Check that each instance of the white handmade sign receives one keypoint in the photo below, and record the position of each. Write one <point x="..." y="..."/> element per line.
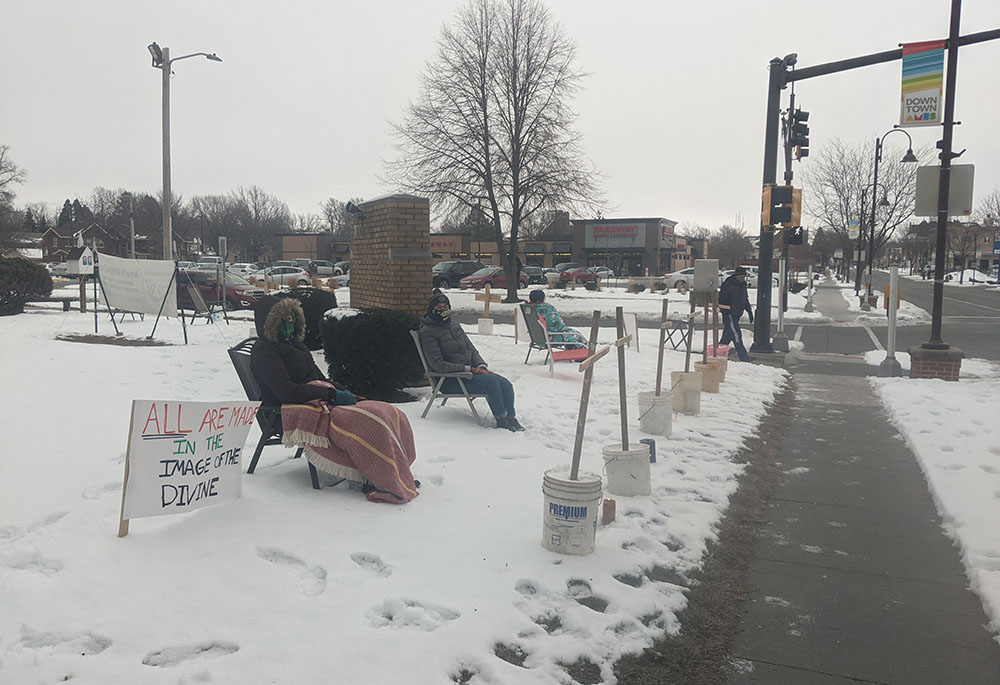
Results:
<point x="139" y="285"/>
<point x="183" y="456"/>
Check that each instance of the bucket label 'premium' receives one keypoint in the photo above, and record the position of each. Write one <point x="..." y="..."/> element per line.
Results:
<point x="565" y="512"/>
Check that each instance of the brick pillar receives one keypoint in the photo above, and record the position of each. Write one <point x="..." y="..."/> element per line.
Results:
<point x="390" y="254"/>
<point x="943" y="364"/>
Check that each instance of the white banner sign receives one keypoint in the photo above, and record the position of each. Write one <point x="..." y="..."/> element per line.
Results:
<point x="139" y="285"/>
<point x="184" y="455"/>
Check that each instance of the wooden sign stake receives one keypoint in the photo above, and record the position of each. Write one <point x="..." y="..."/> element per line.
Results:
<point x="690" y="338"/>
<point x="663" y="339"/>
<point x="587" y="368"/>
<point x="704" y="335"/>
<point x="122" y="521"/>
<point x="715" y="323"/>
<point x="622" y="399"/>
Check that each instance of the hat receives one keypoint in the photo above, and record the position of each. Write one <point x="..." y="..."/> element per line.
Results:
<point x="739" y="271"/>
<point x="436" y="299"/>
<point x="536" y="296"/>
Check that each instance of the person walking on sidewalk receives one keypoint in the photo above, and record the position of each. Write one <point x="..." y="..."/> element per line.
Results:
<point x="733" y="294"/>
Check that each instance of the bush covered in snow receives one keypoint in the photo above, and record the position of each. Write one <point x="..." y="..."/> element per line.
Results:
<point x="372" y="353"/>
<point x="21" y="281"/>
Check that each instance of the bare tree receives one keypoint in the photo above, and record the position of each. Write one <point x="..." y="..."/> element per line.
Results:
<point x="988" y="211"/>
<point x="308" y="223"/>
<point x="963" y="239"/>
<point x="492" y="127"/>
<point x="258" y="218"/>
<point x="10" y="175"/>
<point x="840" y="192"/>
<point x="335" y="216"/>
<point x="730" y="246"/>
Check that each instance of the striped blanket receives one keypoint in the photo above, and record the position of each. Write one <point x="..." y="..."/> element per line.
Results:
<point x="370" y="438"/>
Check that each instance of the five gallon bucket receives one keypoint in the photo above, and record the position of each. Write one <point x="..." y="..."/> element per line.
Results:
<point x="685" y="389"/>
<point x="723" y="365"/>
<point x="627" y="470"/>
<point x="709" y="376"/>
<point x="656" y="412"/>
<point x="569" y="523"/>
<point x="718" y="351"/>
<point x="485" y="326"/>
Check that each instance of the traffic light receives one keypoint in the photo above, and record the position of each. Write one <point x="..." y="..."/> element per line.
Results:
<point x="799" y="134"/>
<point x="776" y="205"/>
<point x="795" y="235"/>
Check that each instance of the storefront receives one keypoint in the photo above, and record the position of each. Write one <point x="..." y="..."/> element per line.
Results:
<point x="632" y="247"/>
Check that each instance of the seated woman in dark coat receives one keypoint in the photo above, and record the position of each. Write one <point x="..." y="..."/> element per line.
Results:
<point x="340" y="433"/>
<point x="449" y="350"/>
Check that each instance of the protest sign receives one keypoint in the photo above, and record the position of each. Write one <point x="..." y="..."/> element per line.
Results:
<point x="139" y="285"/>
<point x="183" y="456"/>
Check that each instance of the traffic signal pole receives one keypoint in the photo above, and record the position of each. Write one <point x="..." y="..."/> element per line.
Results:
<point x="778" y="78"/>
<point x="762" y="319"/>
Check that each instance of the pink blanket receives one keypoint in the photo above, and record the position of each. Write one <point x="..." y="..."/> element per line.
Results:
<point x="373" y="437"/>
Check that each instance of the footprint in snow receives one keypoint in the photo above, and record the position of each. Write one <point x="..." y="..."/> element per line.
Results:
<point x="312" y="578"/>
<point x="99" y="491"/>
<point x="178" y="654"/>
<point x="57" y="642"/>
<point x="409" y="613"/>
<point x="372" y="563"/>
<point x="30" y="560"/>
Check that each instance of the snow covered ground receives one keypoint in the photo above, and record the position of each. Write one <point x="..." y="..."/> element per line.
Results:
<point x="292" y="585"/>
<point x="951" y="428"/>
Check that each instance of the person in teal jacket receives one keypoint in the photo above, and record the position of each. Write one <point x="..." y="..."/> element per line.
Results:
<point x="559" y="332"/>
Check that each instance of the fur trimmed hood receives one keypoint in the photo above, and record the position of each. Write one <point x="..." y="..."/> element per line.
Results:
<point x="271" y="311"/>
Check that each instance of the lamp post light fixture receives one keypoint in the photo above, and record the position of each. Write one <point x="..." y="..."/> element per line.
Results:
<point x="163" y="61"/>
<point x="909" y="157"/>
<point x="131" y="221"/>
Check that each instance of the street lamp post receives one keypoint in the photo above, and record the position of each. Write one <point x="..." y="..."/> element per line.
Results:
<point x="907" y="158"/>
<point x="131" y="222"/>
<point x="163" y="62"/>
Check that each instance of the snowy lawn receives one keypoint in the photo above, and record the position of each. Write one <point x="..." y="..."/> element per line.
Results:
<point x="907" y="315"/>
<point x="292" y="585"/>
<point x="951" y="428"/>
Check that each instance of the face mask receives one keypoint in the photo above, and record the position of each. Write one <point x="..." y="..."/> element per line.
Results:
<point x="286" y="329"/>
<point x="442" y="312"/>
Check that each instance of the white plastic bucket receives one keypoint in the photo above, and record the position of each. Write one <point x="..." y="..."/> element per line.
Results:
<point x="709" y="376"/>
<point x="656" y="413"/>
<point x="485" y="326"/>
<point x="569" y="522"/>
<point x="628" y="470"/>
<point x="685" y="389"/>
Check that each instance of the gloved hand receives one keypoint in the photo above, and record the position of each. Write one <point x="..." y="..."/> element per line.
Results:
<point x="342" y="397"/>
<point x="750" y="314"/>
<point x="481" y="369"/>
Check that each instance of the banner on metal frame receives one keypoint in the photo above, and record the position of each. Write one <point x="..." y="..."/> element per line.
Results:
<point x="922" y="83"/>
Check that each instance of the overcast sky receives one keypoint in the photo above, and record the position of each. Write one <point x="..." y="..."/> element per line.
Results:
<point x="672" y="112"/>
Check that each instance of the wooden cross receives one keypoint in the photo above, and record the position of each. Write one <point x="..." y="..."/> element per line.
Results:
<point x="486" y="298"/>
<point x="622" y="399"/>
<point x="663" y="335"/>
<point x="587" y="368"/>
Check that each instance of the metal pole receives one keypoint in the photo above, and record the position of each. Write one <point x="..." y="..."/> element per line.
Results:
<point x="809" y="296"/>
<point x="131" y="222"/>
<point x="861" y="235"/>
<point x="780" y="339"/>
<point x="871" y="241"/>
<point x="762" y="324"/>
<point x="168" y="241"/>
<point x="944" y="186"/>
<point x="890" y="365"/>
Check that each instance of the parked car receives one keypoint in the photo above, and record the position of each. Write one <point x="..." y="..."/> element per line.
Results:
<point x="59" y="270"/>
<point x="303" y="264"/>
<point x="492" y="276"/>
<point x="562" y="266"/>
<point x="282" y="262"/>
<point x="285" y="275"/>
<point x="239" y="268"/>
<point x="322" y="267"/>
<point x="579" y="275"/>
<point x="240" y="294"/>
<point x="450" y="273"/>
<point x="604" y="272"/>
<point x="680" y="279"/>
<point x="185" y="265"/>
<point x="208" y="261"/>
<point x="341" y="268"/>
<point x="536" y="275"/>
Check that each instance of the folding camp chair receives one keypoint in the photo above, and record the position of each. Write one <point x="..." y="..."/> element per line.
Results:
<point x="268" y="418"/>
<point x="678" y="328"/>
<point x="572" y="354"/>
<point x="203" y="308"/>
<point x="539" y="339"/>
<point x="436" y="379"/>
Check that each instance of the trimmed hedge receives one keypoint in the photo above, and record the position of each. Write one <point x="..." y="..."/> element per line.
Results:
<point x="21" y="281"/>
<point x="315" y="303"/>
<point x="372" y="352"/>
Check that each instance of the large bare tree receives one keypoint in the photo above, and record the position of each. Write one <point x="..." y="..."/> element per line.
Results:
<point x="988" y="209"/>
<point x="10" y="175"/>
<point x="492" y="128"/>
<point x="839" y="190"/>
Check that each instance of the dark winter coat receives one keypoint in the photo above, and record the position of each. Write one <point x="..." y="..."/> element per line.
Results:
<point x="734" y="293"/>
<point x="284" y="368"/>
<point x="447" y="347"/>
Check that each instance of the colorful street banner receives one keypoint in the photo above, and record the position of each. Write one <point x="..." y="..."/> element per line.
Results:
<point x="853" y="230"/>
<point x="923" y="79"/>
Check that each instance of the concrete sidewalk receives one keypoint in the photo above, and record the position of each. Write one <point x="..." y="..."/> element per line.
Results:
<point x="854" y="579"/>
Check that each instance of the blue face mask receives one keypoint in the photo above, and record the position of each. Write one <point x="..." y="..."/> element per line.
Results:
<point x="286" y="329"/>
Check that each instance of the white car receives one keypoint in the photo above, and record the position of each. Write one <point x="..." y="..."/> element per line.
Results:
<point x="684" y="279"/>
<point x="604" y="272"/>
<point x="240" y="269"/>
<point x="285" y="275"/>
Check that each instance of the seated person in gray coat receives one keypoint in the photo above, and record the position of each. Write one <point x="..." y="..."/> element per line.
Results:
<point x="449" y="350"/>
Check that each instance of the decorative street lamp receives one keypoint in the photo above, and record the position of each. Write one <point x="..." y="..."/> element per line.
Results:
<point x="131" y="222"/>
<point x="163" y="62"/>
<point x="907" y="158"/>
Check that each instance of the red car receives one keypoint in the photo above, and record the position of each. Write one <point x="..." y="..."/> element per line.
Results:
<point x="240" y="294"/>
<point x="492" y="275"/>
<point x="579" y="274"/>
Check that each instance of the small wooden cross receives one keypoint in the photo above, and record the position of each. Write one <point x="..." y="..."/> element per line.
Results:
<point x="486" y="298"/>
<point x="587" y="367"/>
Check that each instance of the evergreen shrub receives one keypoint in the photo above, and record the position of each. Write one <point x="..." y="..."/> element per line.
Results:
<point x="21" y="281"/>
<point x="372" y="352"/>
<point x="315" y="303"/>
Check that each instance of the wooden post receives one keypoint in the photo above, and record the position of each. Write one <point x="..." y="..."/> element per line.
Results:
<point x="663" y="340"/>
<point x="588" y="374"/>
<point x="704" y="336"/>
<point x="715" y="323"/>
<point x="83" y="294"/>
<point x="486" y="298"/>
<point x="622" y="399"/>
<point x="690" y="339"/>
